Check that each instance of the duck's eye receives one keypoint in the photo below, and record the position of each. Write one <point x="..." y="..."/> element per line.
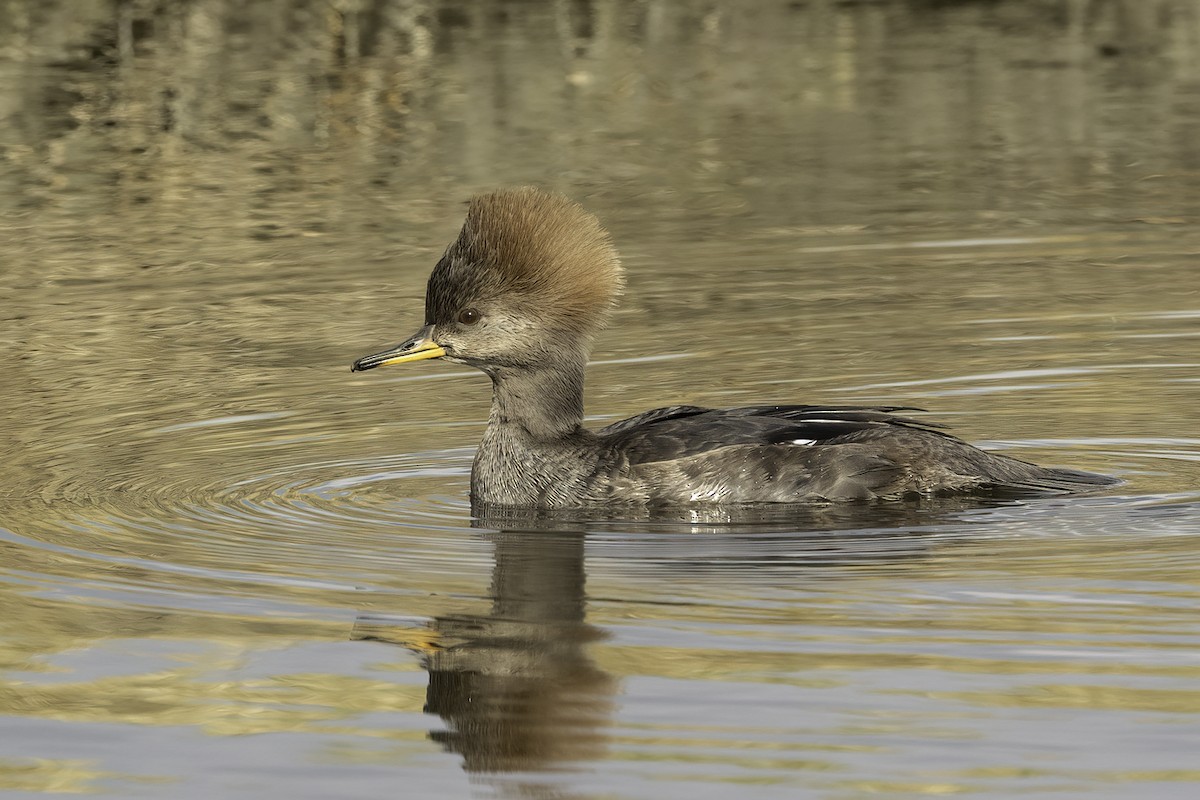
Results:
<point x="469" y="316"/>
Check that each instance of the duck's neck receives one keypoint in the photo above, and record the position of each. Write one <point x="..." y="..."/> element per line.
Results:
<point x="535" y="451"/>
<point x="541" y="405"/>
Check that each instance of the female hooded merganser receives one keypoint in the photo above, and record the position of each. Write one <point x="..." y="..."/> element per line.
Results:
<point x="520" y="294"/>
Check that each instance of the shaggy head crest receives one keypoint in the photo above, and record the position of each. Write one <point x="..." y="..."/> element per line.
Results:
<point x="537" y="252"/>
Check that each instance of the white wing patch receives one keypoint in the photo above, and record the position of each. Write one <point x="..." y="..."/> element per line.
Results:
<point x="711" y="494"/>
<point x="803" y="441"/>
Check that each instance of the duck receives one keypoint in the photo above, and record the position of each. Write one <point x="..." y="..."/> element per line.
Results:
<point x="520" y="294"/>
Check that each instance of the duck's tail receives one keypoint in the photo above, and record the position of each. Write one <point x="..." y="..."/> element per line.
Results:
<point x="1061" y="479"/>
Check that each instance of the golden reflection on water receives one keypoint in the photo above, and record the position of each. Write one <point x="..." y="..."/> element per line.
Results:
<point x="208" y="526"/>
<point x="60" y="776"/>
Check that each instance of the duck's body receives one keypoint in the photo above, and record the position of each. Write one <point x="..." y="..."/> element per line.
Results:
<point x="757" y="454"/>
<point x="519" y="295"/>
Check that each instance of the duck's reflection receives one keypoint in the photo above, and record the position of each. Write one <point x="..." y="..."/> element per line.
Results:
<point x="515" y="686"/>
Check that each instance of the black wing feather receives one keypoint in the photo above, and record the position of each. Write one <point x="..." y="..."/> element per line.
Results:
<point x="679" y="431"/>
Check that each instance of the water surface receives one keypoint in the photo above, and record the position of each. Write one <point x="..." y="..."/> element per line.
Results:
<point x="232" y="568"/>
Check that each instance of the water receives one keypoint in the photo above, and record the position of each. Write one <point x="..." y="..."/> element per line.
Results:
<point x="231" y="568"/>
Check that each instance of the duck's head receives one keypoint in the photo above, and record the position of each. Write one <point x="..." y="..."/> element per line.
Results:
<point x="527" y="283"/>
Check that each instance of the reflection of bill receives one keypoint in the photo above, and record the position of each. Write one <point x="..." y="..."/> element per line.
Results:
<point x="515" y="687"/>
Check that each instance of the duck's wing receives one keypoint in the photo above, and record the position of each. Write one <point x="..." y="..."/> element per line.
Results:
<point x="786" y="453"/>
<point x="859" y="466"/>
<point x="654" y="415"/>
<point x="675" y="432"/>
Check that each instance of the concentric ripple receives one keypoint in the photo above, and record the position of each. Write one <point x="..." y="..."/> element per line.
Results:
<point x="334" y="528"/>
<point x="233" y="512"/>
